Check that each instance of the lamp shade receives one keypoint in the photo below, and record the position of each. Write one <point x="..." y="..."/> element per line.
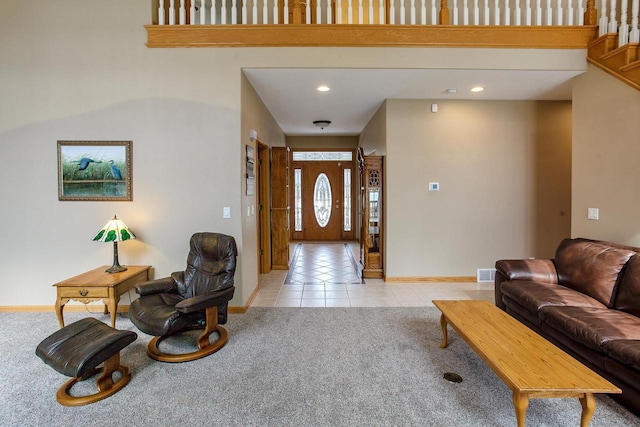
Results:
<point x="114" y="231"/>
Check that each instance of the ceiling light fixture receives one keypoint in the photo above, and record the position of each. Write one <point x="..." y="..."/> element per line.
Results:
<point x="322" y="123"/>
<point x="477" y="89"/>
<point x="323" y="88"/>
<point x="451" y="90"/>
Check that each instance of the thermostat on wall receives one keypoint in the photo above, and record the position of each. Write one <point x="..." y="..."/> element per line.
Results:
<point x="434" y="186"/>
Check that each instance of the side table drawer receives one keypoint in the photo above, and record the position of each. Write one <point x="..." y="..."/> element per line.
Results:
<point x="80" y="292"/>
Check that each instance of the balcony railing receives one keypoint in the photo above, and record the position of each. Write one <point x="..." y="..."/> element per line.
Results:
<point x="463" y="23"/>
<point x="390" y="12"/>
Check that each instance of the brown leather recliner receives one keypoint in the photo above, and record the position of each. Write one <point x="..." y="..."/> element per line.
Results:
<point x="192" y="299"/>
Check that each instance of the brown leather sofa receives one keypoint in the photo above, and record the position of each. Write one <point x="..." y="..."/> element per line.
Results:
<point x="586" y="301"/>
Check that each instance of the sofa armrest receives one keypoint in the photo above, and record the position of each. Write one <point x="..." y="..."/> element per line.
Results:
<point x="530" y="270"/>
<point x="164" y="285"/>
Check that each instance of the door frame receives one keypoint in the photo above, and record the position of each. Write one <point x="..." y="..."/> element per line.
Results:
<point x="263" y="177"/>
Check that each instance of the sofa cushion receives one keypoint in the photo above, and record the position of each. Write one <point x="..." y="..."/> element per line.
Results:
<point x="627" y="297"/>
<point x="626" y="352"/>
<point x="591" y="267"/>
<point x="535" y="295"/>
<point x="591" y="326"/>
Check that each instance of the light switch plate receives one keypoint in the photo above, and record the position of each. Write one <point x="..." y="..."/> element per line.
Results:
<point x="226" y="212"/>
<point x="593" y="213"/>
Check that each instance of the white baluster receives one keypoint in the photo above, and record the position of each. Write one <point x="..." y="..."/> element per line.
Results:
<point x="203" y="13"/>
<point x="161" y="13"/>
<point x="548" y="14"/>
<point x="223" y="12"/>
<point x="559" y="16"/>
<point x="234" y="12"/>
<point x="183" y="13"/>
<point x="254" y="12"/>
<point x="465" y="12"/>
<point x="402" y="12"/>
<point x="392" y="12"/>
<point x="507" y="12"/>
<point x="413" y="12"/>
<point x="285" y="11"/>
<point x="172" y="13"/>
<point x="434" y="14"/>
<point x="517" y="13"/>
<point x="570" y="12"/>
<point x="487" y="15"/>
<point x="634" y="34"/>
<point x="308" y="12"/>
<point x="538" y="13"/>
<point x="370" y="11"/>
<point x="381" y="5"/>
<point x="613" y="23"/>
<point x="604" y="19"/>
<point x="265" y="11"/>
<point x="192" y="13"/>
<point x="455" y="12"/>
<point x="527" y="13"/>
<point x="349" y="12"/>
<point x="623" y="32"/>
<point x="580" y="13"/>
<point x="476" y="13"/>
<point x="423" y="12"/>
<point x="275" y="12"/>
<point x="328" y="11"/>
<point x="214" y="12"/>
<point x="244" y="12"/>
<point x="496" y="13"/>
<point x="318" y="11"/>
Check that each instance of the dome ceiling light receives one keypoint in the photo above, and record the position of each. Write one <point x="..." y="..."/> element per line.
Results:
<point x="322" y="123"/>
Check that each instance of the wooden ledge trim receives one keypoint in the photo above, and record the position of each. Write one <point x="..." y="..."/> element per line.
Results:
<point x="324" y="35"/>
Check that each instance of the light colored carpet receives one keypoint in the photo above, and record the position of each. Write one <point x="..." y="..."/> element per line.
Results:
<point x="286" y="367"/>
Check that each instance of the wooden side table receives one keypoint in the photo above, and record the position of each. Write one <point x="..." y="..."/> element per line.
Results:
<point x="97" y="285"/>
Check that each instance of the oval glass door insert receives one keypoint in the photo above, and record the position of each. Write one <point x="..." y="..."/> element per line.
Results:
<point x="322" y="200"/>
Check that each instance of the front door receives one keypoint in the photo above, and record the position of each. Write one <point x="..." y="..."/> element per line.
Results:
<point x="322" y="199"/>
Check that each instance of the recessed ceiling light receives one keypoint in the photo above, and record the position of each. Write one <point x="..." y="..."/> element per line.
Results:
<point x="477" y="89"/>
<point x="451" y="90"/>
<point x="323" y="88"/>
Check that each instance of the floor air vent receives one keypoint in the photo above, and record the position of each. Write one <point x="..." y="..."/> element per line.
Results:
<point x="486" y="274"/>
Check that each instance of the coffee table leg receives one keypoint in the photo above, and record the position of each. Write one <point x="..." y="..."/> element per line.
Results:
<point x="588" y="403"/>
<point x="443" y="325"/>
<point x="520" y="403"/>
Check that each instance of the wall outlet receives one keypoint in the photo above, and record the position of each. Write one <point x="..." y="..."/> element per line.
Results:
<point x="434" y="186"/>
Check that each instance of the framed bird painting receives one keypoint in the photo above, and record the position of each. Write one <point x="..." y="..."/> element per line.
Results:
<point x="94" y="170"/>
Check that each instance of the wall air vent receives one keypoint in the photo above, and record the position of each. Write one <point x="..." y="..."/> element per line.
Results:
<point x="486" y="274"/>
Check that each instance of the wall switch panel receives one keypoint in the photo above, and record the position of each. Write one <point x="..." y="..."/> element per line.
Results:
<point x="593" y="213"/>
<point x="226" y="212"/>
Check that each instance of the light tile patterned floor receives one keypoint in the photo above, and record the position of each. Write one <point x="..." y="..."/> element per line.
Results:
<point x="314" y="281"/>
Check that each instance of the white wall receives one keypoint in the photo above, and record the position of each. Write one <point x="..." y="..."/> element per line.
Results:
<point x="483" y="155"/>
<point x="606" y="171"/>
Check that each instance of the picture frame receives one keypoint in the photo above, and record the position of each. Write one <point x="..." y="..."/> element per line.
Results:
<point x="250" y="165"/>
<point x="94" y="171"/>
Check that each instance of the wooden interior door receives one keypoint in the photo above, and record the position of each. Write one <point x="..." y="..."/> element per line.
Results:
<point x="316" y="192"/>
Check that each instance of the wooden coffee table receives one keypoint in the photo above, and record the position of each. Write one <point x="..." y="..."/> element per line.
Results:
<point x="528" y="364"/>
<point x="97" y="285"/>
